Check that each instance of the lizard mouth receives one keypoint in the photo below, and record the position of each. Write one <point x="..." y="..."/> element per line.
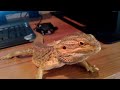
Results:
<point x="72" y="58"/>
<point x="66" y="60"/>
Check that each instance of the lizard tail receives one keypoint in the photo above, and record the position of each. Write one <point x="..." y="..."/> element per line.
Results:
<point x="25" y="52"/>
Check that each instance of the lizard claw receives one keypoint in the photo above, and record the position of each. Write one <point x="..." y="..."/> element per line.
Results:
<point x="93" y="68"/>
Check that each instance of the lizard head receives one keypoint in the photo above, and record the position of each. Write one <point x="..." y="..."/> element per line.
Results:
<point x="77" y="47"/>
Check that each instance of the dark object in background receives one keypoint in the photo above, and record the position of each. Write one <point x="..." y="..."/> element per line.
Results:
<point x="45" y="28"/>
<point x="33" y="14"/>
<point x="104" y="25"/>
<point x="3" y="19"/>
<point x="16" y="33"/>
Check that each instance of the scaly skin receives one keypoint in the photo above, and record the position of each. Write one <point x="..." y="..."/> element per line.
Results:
<point x="72" y="49"/>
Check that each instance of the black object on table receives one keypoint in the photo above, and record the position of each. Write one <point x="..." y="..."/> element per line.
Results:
<point x="45" y="28"/>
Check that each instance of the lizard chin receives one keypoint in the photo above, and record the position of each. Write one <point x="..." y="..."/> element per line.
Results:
<point x="73" y="58"/>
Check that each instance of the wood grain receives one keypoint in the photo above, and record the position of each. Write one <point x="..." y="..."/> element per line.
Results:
<point x="108" y="60"/>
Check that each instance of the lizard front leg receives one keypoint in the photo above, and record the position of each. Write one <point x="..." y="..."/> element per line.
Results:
<point x="88" y="66"/>
<point x="39" y="74"/>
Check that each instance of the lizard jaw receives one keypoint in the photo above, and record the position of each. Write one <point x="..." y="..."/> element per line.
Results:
<point x="72" y="58"/>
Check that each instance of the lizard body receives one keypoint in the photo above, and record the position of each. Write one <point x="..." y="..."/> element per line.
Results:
<point x="72" y="49"/>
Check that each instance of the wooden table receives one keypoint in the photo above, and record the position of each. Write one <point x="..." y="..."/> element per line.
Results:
<point x="108" y="60"/>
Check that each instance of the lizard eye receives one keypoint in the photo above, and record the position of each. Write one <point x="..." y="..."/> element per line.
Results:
<point x="81" y="43"/>
<point x="64" y="47"/>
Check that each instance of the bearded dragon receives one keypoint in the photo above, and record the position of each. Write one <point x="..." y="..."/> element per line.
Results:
<point x="72" y="49"/>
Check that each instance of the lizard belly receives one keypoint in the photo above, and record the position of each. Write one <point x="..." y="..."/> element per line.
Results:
<point x="54" y="63"/>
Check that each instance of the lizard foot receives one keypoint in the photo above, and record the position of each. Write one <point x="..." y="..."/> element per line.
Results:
<point x="88" y="67"/>
<point x="39" y="74"/>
